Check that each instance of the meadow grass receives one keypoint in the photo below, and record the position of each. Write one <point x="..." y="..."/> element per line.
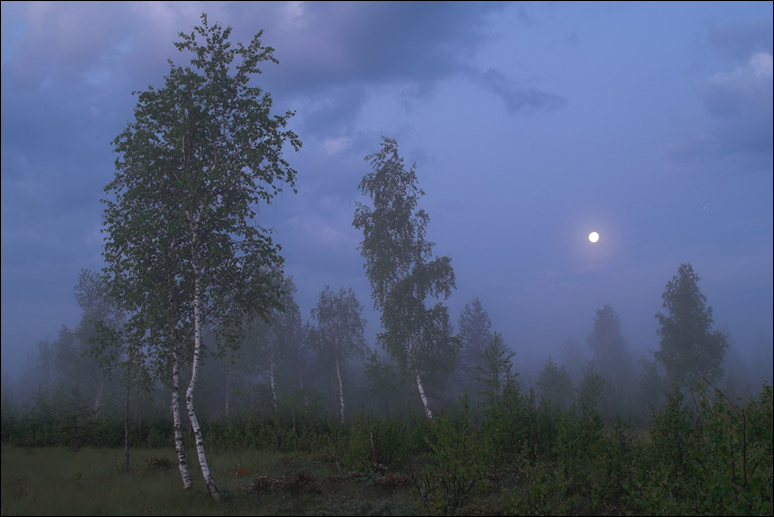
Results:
<point x="59" y="481"/>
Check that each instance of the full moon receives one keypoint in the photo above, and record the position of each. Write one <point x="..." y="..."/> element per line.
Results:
<point x="593" y="236"/>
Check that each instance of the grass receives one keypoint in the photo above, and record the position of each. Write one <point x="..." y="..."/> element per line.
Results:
<point x="58" y="481"/>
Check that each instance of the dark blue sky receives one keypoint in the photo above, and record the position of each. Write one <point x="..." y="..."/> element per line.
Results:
<point x="531" y="125"/>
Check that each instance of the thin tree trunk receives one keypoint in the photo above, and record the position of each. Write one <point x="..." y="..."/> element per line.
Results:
<point x="98" y="397"/>
<point x="301" y="385"/>
<point x="182" y="465"/>
<point x="422" y="395"/>
<point x="189" y="400"/>
<point x="126" y="427"/>
<point x="341" y="390"/>
<point x="420" y="387"/>
<point x="226" y="401"/>
<point x="273" y="386"/>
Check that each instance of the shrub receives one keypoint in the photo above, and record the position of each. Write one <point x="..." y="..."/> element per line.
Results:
<point x="157" y="463"/>
<point x="455" y="466"/>
<point x="712" y="458"/>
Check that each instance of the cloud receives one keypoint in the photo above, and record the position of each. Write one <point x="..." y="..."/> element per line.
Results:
<point x="359" y="43"/>
<point x="762" y="64"/>
<point x="739" y="102"/>
<point x="321" y="234"/>
<point x="518" y="98"/>
<point x="744" y="90"/>
<point x="737" y="41"/>
<point x="340" y="52"/>
<point x="335" y="146"/>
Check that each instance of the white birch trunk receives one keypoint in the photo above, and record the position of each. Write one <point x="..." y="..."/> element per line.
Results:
<point x="420" y="387"/>
<point x="182" y="465"/>
<point x="422" y="395"/>
<point x="341" y="389"/>
<point x="189" y="400"/>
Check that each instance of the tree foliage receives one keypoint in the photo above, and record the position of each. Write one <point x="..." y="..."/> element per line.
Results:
<point x="690" y="349"/>
<point x="401" y="269"/>
<point x="612" y="360"/>
<point x="340" y="332"/>
<point x="555" y="384"/>
<point x="495" y="370"/>
<point x="475" y="327"/>
<point x="183" y="249"/>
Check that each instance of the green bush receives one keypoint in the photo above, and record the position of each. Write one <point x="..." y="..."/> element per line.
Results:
<point x="455" y="466"/>
<point x="711" y="457"/>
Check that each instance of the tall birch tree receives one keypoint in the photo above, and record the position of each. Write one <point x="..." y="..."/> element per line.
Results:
<point x="340" y="332"/>
<point x="183" y="249"/>
<point x="401" y="269"/>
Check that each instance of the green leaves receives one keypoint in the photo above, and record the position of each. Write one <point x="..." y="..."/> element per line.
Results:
<point x="340" y="325"/>
<point x="401" y="270"/>
<point x="690" y="348"/>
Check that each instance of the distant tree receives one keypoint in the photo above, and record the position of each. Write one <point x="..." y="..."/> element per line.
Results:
<point x="99" y="331"/>
<point x="273" y="342"/>
<point x="555" y="384"/>
<point x="386" y="382"/>
<point x="62" y="373"/>
<point x="495" y="370"/>
<point x="689" y="347"/>
<point x="401" y="269"/>
<point x="98" y="310"/>
<point x="653" y="386"/>
<point x="736" y="381"/>
<point x="340" y="332"/>
<point x="612" y="360"/>
<point x="7" y="402"/>
<point x="590" y="392"/>
<point x="762" y="360"/>
<point x="573" y="358"/>
<point x="182" y="249"/>
<point x="475" y="327"/>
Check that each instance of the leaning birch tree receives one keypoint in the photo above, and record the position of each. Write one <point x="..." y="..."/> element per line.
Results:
<point x="183" y="249"/>
<point x="402" y="272"/>
<point x="340" y="333"/>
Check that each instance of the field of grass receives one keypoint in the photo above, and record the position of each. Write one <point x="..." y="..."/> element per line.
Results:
<point x="58" y="481"/>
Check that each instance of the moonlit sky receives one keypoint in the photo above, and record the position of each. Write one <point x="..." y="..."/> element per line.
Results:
<point x="531" y="125"/>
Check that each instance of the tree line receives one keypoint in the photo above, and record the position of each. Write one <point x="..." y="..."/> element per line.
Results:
<point x="194" y="300"/>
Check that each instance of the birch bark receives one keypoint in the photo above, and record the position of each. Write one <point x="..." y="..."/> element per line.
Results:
<point x="189" y="393"/>
<point x="420" y="387"/>
<point x="182" y="465"/>
<point x="341" y="389"/>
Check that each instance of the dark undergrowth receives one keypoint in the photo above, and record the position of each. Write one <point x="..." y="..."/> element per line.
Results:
<point x="703" y="455"/>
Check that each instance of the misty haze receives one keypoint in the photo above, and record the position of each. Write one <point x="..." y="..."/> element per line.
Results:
<point x="388" y="258"/>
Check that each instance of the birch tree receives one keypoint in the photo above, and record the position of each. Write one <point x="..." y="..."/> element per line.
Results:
<point x="183" y="248"/>
<point x="340" y="332"/>
<point x="275" y="341"/>
<point x="689" y="347"/>
<point x="100" y="327"/>
<point x="401" y="269"/>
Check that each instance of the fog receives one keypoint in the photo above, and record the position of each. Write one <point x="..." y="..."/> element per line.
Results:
<point x="531" y="125"/>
